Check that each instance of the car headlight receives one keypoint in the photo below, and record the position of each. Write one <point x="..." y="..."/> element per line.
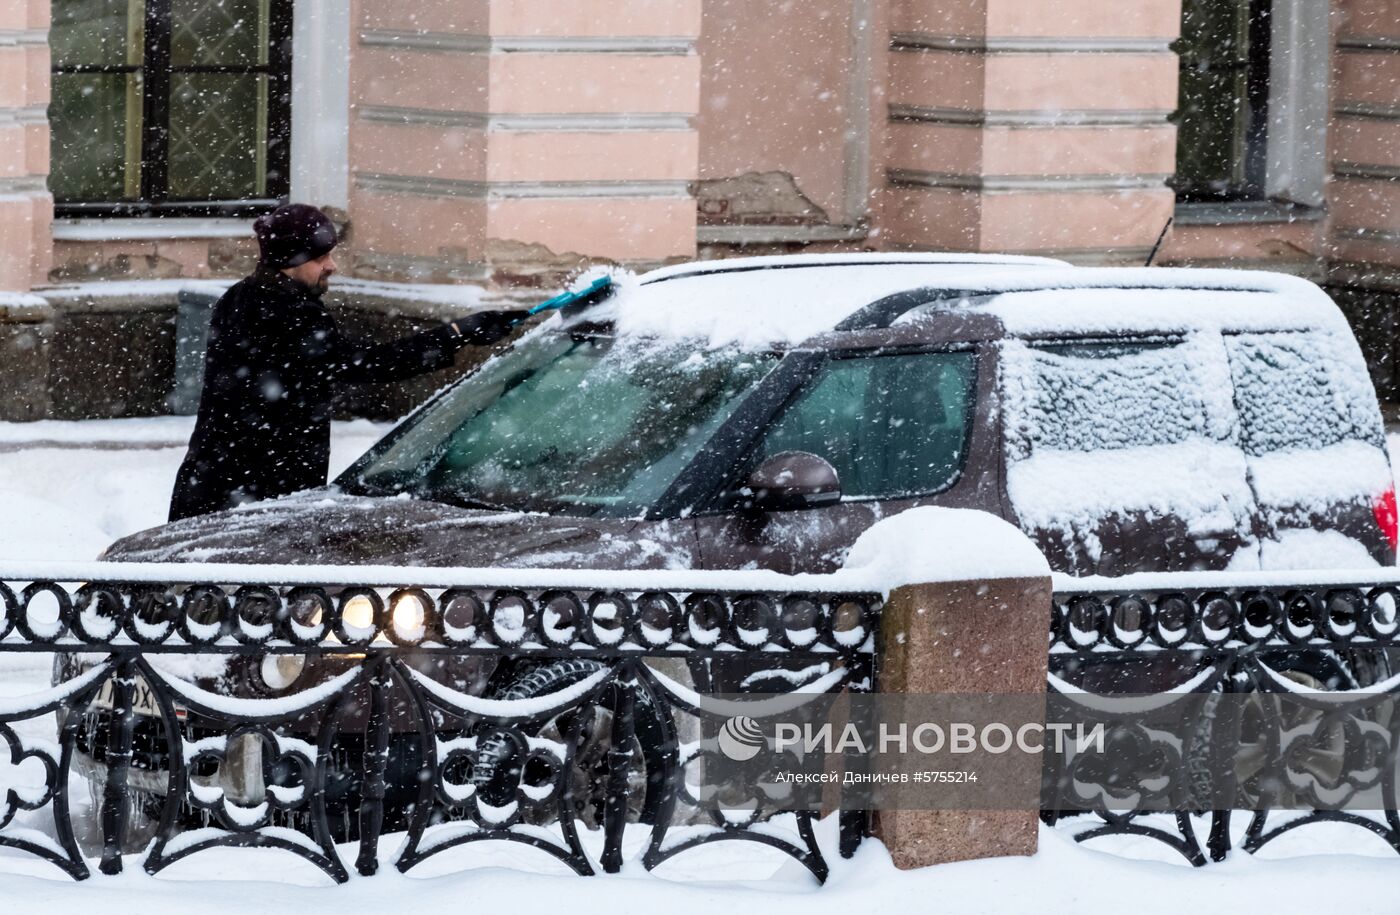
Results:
<point x="409" y="616"/>
<point x="280" y="671"/>
<point x="358" y="613"/>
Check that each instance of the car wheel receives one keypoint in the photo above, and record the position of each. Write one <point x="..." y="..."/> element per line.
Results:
<point x="1254" y="776"/>
<point x="496" y="770"/>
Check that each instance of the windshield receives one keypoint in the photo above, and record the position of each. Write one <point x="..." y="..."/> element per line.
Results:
<point x="576" y="425"/>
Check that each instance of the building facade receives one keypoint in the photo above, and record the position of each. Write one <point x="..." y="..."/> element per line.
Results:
<point x="508" y="142"/>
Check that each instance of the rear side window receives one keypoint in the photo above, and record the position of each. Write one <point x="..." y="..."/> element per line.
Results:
<point x="1091" y="396"/>
<point x="891" y="425"/>
<point x="1121" y="456"/>
<point x="1300" y="391"/>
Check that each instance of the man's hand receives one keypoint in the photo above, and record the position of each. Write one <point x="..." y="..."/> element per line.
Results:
<point x="486" y="327"/>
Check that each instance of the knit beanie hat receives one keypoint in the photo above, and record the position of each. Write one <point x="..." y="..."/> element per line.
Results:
<point x="293" y="234"/>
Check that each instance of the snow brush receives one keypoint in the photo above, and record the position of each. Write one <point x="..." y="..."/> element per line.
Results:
<point x="566" y="302"/>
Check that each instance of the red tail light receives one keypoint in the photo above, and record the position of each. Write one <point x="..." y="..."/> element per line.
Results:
<point x="1387" y="516"/>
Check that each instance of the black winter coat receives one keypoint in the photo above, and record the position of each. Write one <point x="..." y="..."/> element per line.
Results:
<point x="274" y="357"/>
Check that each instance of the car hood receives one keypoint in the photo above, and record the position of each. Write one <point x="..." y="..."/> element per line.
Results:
<point x="327" y="527"/>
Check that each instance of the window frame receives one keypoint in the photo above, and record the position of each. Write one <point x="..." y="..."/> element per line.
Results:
<point x="1249" y="140"/>
<point x="156" y="71"/>
<point x="1291" y="165"/>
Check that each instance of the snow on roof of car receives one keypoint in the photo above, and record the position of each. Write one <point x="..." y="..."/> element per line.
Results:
<point x="779" y="261"/>
<point x="756" y="302"/>
<point x="1161" y="299"/>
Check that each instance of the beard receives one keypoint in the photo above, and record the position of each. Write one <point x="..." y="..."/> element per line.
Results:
<point x="316" y="288"/>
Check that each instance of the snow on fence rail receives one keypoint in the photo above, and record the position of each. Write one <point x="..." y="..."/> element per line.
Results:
<point x="296" y="707"/>
<point x="1328" y="641"/>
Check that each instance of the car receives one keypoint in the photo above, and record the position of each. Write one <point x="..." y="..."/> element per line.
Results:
<point x="1126" y="419"/>
<point x="764" y="412"/>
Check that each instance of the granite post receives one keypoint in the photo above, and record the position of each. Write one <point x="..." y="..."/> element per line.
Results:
<point x="968" y="613"/>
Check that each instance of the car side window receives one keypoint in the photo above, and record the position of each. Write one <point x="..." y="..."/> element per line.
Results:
<point x="1088" y="396"/>
<point x="1299" y="390"/>
<point x="1123" y="455"/>
<point x="892" y="426"/>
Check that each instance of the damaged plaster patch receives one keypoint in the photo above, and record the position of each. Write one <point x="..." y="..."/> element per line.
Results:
<point x="756" y="198"/>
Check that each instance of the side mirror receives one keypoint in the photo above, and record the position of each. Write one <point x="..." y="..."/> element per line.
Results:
<point x="791" y="480"/>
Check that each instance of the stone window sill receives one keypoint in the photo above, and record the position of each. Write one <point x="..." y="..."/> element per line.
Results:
<point x="149" y="229"/>
<point x="1245" y="212"/>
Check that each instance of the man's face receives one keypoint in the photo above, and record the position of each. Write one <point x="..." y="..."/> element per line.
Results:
<point x="314" y="274"/>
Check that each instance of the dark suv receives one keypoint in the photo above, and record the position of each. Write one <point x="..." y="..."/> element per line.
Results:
<point x="765" y="412"/>
<point x="1127" y="419"/>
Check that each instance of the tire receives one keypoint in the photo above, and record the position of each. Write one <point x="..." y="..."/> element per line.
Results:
<point x="496" y="768"/>
<point x="1247" y="752"/>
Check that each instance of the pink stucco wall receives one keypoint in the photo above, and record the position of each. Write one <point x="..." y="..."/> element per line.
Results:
<point x="539" y="130"/>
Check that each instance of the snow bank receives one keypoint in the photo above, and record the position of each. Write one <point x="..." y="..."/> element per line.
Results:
<point x="739" y="876"/>
<point x="148" y="430"/>
<point x="21" y="301"/>
<point x="133" y="288"/>
<point x="71" y="488"/>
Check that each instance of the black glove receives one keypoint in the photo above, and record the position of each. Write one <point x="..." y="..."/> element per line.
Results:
<point x="486" y="327"/>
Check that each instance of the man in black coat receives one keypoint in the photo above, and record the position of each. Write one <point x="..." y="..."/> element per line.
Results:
<point x="275" y="355"/>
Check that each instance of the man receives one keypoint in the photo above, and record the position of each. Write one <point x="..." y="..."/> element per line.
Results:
<point x="275" y="355"/>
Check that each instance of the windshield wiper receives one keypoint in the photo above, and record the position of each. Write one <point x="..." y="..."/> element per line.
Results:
<point x="458" y="500"/>
<point x="359" y="486"/>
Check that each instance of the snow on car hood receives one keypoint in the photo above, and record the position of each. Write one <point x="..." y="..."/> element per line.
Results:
<point x="327" y="527"/>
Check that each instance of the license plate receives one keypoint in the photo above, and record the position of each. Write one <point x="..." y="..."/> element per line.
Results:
<point x="143" y="701"/>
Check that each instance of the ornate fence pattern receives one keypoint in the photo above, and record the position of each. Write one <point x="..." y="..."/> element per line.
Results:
<point x="301" y="716"/>
<point x="1333" y="650"/>
<point x="332" y="687"/>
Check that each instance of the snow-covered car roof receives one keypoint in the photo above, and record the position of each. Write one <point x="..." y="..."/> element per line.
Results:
<point x="854" y="259"/>
<point x="757" y="302"/>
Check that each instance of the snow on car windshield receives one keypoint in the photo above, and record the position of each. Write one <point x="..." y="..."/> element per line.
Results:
<point x="573" y="424"/>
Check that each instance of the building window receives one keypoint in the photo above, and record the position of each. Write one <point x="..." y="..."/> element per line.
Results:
<point x="1222" y="116"/>
<point x="178" y="107"/>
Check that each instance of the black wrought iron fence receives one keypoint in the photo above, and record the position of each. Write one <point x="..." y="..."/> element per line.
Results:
<point x="1308" y="734"/>
<point x="238" y="712"/>
<point x="551" y="710"/>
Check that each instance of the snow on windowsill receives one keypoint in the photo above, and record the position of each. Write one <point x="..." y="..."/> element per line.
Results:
<point x="455" y="295"/>
<point x="149" y="229"/>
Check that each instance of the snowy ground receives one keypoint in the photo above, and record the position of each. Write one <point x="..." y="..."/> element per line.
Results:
<point x="68" y="489"/>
